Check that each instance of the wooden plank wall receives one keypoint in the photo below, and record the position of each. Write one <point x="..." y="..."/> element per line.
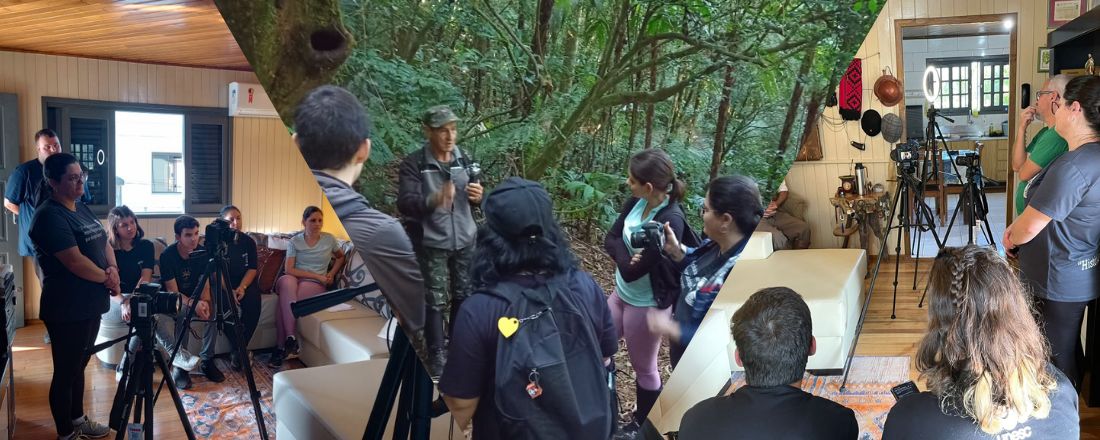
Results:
<point x="817" y="180"/>
<point x="270" y="181"/>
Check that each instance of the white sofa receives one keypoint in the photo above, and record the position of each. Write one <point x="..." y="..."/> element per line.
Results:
<point x="831" y="282"/>
<point x="335" y="401"/>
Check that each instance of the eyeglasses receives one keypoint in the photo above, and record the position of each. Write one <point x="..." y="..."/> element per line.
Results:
<point x="1040" y="93"/>
<point x="74" y="178"/>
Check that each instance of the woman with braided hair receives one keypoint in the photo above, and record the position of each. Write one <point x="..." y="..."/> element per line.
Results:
<point x="1057" y="238"/>
<point x="984" y="359"/>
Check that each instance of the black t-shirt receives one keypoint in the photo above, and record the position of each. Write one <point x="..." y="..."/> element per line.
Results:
<point x="471" y="354"/>
<point x="65" y="296"/>
<point x="918" y="416"/>
<point x="773" y="413"/>
<point x="242" y="257"/>
<point x="185" y="272"/>
<point x="132" y="262"/>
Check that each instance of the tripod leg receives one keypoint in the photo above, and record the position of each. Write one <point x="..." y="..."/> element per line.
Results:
<point x="405" y="400"/>
<point x="224" y="300"/>
<point x="870" y="288"/>
<point x="904" y="229"/>
<point x="387" y="389"/>
<point x="422" y="402"/>
<point x="165" y="369"/>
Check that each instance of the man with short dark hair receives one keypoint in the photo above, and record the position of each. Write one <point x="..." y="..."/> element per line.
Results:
<point x="180" y="273"/>
<point x="436" y="194"/>
<point x="774" y="340"/>
<point x="332" y="131"/>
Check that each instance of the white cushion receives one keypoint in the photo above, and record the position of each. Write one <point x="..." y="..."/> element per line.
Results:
<point x="759" y="246"/>
<point x="701" y="373"/>
<point x="334" y="402"/>
<point x="829" y="280"/>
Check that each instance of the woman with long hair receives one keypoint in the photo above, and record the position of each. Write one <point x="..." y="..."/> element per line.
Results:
<point x="731" y="210"/>
<point x="1057" y="237"/>
<point x="313" y="259"/>
<point x="521" y="249"/>
<point x="242" y="280"/>
<point x="984" y="359"/>
<point x="645" y="283"/>
<point x="133" y="253"/>
<point x="79" y="275"/>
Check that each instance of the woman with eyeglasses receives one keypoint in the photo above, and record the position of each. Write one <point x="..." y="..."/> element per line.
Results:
<point x="731" y="210"/>
<point x="1057" y="237"/>
<point x="79" y="275"/>
<point x="1046" y="145"/>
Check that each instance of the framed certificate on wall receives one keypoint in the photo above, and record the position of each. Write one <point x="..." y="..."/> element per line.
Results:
<point x="1063" y="11"/>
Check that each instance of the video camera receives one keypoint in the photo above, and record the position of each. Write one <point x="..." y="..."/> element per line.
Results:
<point x="968" y="160"/>
<point x="218" y="233"/>
<point x="907" y="153"/>
<point x="652" y="235"/>
<point x="148" y="300"/>
<point x="473" y="170"/>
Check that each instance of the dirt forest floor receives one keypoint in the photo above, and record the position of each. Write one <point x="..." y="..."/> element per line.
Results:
<point x="596" y="262"/>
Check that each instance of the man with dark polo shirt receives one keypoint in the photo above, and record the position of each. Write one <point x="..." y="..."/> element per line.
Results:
<point x="332" y="132"/>
<point x="773" y="335"/>
<point x="180" y="273"/>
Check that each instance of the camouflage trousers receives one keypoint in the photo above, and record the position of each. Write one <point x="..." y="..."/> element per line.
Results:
<point x="447" y="277"/>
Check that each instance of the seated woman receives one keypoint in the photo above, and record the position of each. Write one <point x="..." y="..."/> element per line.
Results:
<point x="731" y="210"/>
<point x="310" y="270"/>
<point x="984" y="359"/>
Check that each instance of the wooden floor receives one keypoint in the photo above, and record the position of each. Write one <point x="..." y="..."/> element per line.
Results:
<point x="33" y="369"/>
<point x="882" y="336"/>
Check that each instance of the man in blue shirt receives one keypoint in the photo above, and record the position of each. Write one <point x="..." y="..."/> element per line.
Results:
<point x="23" y="192"/>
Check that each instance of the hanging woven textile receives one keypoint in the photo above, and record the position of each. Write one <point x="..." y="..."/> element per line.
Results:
<point x="851" y="92"/>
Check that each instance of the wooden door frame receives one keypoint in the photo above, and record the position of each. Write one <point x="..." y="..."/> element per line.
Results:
<point x="899" y="60"/>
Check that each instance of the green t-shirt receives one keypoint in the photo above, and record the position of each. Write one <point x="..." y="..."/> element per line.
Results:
<point x="1046" y="146"/>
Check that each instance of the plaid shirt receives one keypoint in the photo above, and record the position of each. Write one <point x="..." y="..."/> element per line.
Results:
<point x="702" y="278"/>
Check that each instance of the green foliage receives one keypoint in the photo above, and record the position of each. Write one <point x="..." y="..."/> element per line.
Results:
<point x="515" y="105"/>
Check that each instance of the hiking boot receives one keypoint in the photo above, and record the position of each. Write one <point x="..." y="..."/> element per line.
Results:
<point x="436" y="363"/>
<point x="182" y="378"/>
<point x="629" y="431"/>
<point x="88" y="428"/>
<point x="211" y="371"/>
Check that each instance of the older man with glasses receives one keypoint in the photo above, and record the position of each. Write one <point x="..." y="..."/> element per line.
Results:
<point x="1046" y="145"/>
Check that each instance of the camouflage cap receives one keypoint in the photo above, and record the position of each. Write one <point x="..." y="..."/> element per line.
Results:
<point x="438" y="116"/>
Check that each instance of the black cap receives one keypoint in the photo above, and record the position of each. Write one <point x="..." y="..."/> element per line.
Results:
<point x="519" y="208"/>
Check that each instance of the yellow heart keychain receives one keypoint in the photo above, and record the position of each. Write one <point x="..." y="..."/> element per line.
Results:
<point x="507" y="326"/>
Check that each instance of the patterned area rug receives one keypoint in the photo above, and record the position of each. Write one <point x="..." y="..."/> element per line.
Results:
<point x="224" y="410"/>
<point x="867" y="392"/>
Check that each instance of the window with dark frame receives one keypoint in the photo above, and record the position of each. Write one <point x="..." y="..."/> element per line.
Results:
<point x="166" y="168"/>
<point x="994" y="85"/>
<point x="966" y="84"/>
<point x="87" y="129"/>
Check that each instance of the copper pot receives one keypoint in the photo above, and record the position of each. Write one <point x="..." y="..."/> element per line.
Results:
<point x="888" y="89"/>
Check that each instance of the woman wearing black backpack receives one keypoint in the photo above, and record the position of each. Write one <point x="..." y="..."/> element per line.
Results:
<point x="530" y="348"/>
<point x="646" y="284"/>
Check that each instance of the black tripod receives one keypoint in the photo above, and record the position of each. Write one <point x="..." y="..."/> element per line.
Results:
<point x="223" y="310"/>
<point x="135" y="389"/>
<point x="910" y="190"/>
<point x="404" y="373"/>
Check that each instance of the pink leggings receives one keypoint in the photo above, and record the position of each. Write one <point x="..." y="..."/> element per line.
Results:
<point x="641" y="345"/>
<point x="291" y="289"/>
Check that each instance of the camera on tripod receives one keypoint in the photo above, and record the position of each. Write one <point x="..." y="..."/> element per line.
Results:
<point x="907" y="153"/>
<point x="218" y="233"/>
<point x="148" y="300"/>
<point x="968" y="160"/>
<point x="652" y="235"/>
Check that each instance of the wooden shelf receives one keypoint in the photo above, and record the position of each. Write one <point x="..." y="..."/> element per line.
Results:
<point x="1072" y="43"/>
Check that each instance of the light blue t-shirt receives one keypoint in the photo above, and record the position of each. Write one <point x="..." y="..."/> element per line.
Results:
<point x="312" y="259"/>
<point x="638" y="293"/>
